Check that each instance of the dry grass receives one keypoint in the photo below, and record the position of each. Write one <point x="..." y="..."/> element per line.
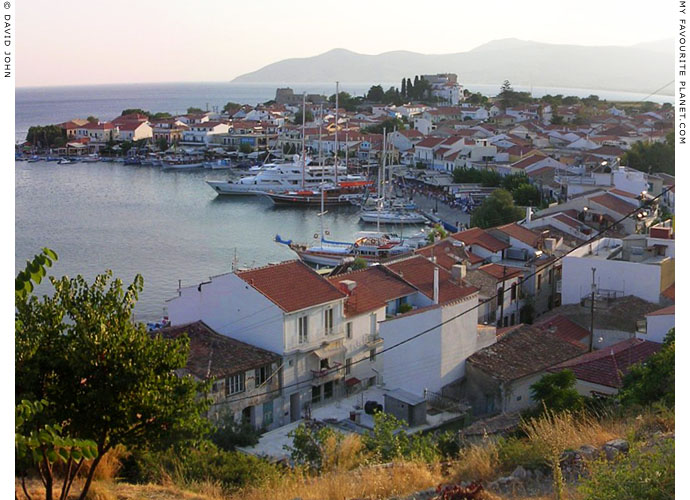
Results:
<point x="477" y="462"/>
<point x="345" y="455"/>
<point x="371" y="483"/>
<point x="568" y="430"/>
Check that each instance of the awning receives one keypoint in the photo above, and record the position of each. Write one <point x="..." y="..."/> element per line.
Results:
<point x="352" y="381"/>
<point x="329" y="350"/>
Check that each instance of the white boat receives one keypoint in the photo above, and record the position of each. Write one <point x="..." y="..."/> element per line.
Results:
<point x="218" y="164"/>
<point x="66" y="161"/>
<point x="392" y="217"/>
<point x="90" y="159"/>
<point x="281" y="177"/>
<point x="181" y="165"/>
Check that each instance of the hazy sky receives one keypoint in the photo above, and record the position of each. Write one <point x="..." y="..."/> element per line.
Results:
<point x="66" y="42"/>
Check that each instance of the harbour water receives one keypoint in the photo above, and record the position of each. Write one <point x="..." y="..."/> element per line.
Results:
<point x="166" y="225"/>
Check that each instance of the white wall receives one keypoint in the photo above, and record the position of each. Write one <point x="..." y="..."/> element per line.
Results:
<point x="230" y="306"/>
<point x="641" y="280"/>
<point x="658" y="327"/>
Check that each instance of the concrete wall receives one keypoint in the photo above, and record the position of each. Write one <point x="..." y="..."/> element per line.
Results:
<point x="658" y="327"/>
<point x="641" y="280"/>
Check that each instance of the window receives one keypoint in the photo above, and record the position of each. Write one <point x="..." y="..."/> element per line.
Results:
<point x="348" y="366"/>
<point x="328" y="390"/>
<point x="539" y="282"/>
<point x="324" y="364"/>
<point x="513" y="292"/>
<point x="234" y="384"/>
<point x="348" y="329"/>
<point x="303" y="324"/>
<point x="372" y="355"/>
<point x="328" y="321"/>
<point x="500" y="295"/>
<point x="316" y="394"/>
<point x="261" y="375"/>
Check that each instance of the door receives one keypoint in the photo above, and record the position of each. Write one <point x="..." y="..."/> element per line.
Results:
<point x="294" y="407"/>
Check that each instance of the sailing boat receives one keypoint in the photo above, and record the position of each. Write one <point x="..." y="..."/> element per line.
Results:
<point x="386" y="212"/>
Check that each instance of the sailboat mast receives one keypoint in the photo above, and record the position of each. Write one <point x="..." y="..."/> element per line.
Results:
<point x="335" y="162"/>
<point x="382" y="179"/>
<point x="304" y="114"/>
<point x="320" y="125"/>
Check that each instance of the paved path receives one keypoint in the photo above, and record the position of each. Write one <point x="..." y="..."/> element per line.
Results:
<point x="453" y="216"/>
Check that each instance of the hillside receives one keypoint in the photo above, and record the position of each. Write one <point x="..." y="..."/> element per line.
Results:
<point x="637" y="68"/>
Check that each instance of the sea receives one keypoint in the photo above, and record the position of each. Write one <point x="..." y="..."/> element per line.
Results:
<point x="168" y="226"/>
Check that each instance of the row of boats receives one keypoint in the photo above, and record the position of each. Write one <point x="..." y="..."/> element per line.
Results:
<point x="166" y="163"/>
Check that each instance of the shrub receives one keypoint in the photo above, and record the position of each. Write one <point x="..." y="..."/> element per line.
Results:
<point x="229" y="434"/>
<point x="642" y="474"/>
<point x="513" y="452"/>
<point x="556" y="392"/>
<point x="389" y="441"/>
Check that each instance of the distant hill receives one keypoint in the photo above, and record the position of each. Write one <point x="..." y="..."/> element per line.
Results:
<point x="639" y="68"/>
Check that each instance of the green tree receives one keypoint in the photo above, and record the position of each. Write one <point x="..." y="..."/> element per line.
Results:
<point x="388" y="441"/>
<point x="389" y="124"/>
<point x="359" y="263"/>
<point x="193" y="111"/>
<point x="403" y="90"/>
<point x="375" y="93"/>
<point x="498" y="208"/>
<point x="160" y="116"/>
<point x="511" y="182"/>
<point x="91" y="119"/>
<point x="246" y="148"/>
<point x="231" y="107"/>
<point x="309" y="117"/>
<point x="557" y="119"/>
<point x="526" y="195"/>
<point x="345" y="101"/>
<point x="132" y="111"/>
<point x="556" y="392"/>
<point x="653" y="157"/>
<point x="162" y="144"/>
<point x="655" y="379"/>
<point x="46" y="136"/>
<point x="109" y="380"/>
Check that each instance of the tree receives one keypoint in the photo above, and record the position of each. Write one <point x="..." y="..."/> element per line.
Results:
<point x="109" y="380"/>
<point x="655" y="379"/>
<point x="408" y="88"/>
<point x="309" y="117"/>
<point x="652" y="157"/>
<point x="498" y="208"/>
<point x="194" y="111"/>
<point x="231" y="107"/>
<point x="511" y="182"/>
<point x="345" y="100"/>
<point x="132" y="111"/>
<point x="557" y="119"/>
<point x="556" y="392"/>
<point x="526" y="195"/>
<point x="47" y="136"/>
<point x="246" y="148"/>
<point x="162" y="144"/>
<point x="375" y="94"/>
<point x="91" y="119"/>
<point x="160" y="116"/>
<point x="389" y="124"/>
<point x="359" y="263"/>
<point x="403" y="90"/>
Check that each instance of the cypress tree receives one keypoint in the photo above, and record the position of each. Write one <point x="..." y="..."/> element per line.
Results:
<point x="409" y="88"/>
<point x="402" y="87"/>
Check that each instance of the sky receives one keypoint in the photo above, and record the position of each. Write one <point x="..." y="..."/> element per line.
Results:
<point x="67" y="42"/>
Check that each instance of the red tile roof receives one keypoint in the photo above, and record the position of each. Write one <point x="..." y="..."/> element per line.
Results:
<point x="419" y="272"/>
<point x="564" y="328"/>
<point x="521" y="233"/>
<point x="666" y="311"/>
<point x="497" y="271"/>
<point x="98" y="126"/>
<point x="613" y="203"/>
<point x="130" y="125"/>
<point x="448" y="254"/>
<point x="566" y="219"/>
<point x="429" y="142"/>
<point x="608" y="366"/>
<point x="291" y="285"/>
<point x="526" y="162"/>
<point x="214" y="355"/>
<point x="477" y="236"/>
<point x="625" y="194"/>
<point x="375" y="287"/>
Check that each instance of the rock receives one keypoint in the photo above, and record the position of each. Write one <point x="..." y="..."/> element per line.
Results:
<point x="619" y="444"/>
<point x="588" y="452"/>
<point x="610" y="452"/>
<point x="507" y="484"/>
<point x="520" y="473"/>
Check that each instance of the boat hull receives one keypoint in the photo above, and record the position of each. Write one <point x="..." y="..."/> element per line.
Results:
<point x="308" y="201"/>
<point x="374" y="217"/>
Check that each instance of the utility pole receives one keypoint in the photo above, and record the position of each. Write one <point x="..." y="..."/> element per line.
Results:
<point x="503" y="297"/>
<point x="591" y="311"/>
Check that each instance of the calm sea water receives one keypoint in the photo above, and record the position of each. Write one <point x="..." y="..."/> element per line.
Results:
<point x="166" y="226"/>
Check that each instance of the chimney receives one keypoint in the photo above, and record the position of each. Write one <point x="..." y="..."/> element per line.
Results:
<point x="528" y="214"/>
<point x="435" y="285"/>
<point x="347" y="286"/>
<point x="458" y="271"/>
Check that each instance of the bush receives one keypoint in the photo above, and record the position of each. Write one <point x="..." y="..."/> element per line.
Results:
<point x="513" y="452"/>
<point x="231" y="469"/>
<point x="389" y="441"/>
<point x="556" y="392"/>
<point x="321" y="448"/>
<point x="229" y="434"/>
<point x="654" y="380"/>
<point x="642" y="474"/>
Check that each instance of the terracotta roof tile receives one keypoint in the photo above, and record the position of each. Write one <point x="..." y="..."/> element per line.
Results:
<point x="375" y="287"/>
<point x="613" y="203"/>
<point x="429" y="142"/>
<point x="497" y="271"/>
<point x="291" y="285"/>
<point x="666" y="311"/>
<point x="523" y="351"/>
<point x="564" y="328"/>
<point x="448" y="254"/>
<point x="521" y="233"/>
<point x="419" y="272"/>
<point x="477" y="236"/>
<point x="670" y="292"/>
<point x="608" y="366"/>
<point x="214" y="355"/>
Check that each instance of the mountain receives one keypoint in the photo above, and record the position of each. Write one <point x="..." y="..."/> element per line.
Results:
<point x="639" y="68"/>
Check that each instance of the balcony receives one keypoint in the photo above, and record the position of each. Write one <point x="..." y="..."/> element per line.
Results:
<point x="373" y="339"/>
<point x="323" y="375"/>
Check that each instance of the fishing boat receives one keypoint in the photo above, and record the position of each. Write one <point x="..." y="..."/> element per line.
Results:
<point x="91" y="159"/>
<point x="221" y="164"/>
<point x="33" y="159"/>
<point x="66" y="161"/>
<point x="181" y="164"/>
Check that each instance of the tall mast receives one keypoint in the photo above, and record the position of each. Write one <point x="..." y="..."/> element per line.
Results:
<point x="382" y="179"/>
<point x="304" y="114"/>
<point x="335" y="163"/>
<point x="320" y="125"/>
<point x="347" y="137"/>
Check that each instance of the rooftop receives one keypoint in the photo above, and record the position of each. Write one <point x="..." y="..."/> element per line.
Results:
<point x="291" y="285"/>
<point x="524" y="351"/>
<point x="477" y="236"/>
<point x="609" y="365"/>
<point x="212" y="355"/>
<point x="520" y="233"/>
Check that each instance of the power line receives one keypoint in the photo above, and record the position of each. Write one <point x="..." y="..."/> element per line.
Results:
<point x="479" y="304"/>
